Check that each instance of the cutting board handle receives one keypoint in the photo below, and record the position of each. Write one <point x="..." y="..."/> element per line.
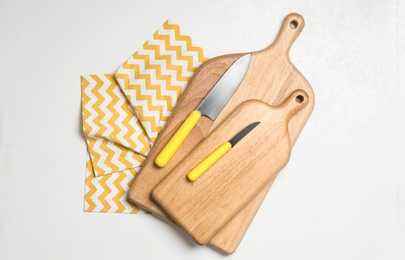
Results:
<point x="289" y="31"/>
<point x="294" y="103"/>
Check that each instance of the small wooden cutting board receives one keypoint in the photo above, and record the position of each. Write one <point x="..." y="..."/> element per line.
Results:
<point x="271" y="78"/>
<point x="204" y="206"/>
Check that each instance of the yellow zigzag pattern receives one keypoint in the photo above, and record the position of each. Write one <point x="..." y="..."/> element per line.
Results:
<point x="97" y="190"/>
<point x="115" y="137"/>
<point x="123" y="115"/>
<point x="154" y="77"/>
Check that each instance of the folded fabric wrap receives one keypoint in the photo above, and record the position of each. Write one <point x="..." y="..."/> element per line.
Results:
<point x="124" y="112"/>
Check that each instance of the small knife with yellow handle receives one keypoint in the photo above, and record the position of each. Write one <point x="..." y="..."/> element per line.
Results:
<point x="210" y="107"/>
<point x="203" y="166"/>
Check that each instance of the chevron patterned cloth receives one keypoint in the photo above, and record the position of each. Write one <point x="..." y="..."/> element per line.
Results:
<point x="114" y="134"/>
<point x="156" y="75"/>
<point x="123" y="114"/>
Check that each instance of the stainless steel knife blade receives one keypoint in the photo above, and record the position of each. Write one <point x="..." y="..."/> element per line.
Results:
<point x="220" y="94"/>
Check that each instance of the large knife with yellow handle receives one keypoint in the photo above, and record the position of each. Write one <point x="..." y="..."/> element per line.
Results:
<point x="210" y="107"/>
<point x="203" y="166"/>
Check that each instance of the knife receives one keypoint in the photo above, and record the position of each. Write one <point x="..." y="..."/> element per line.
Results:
<point x="203" y="166"/>
<point x="210" y="107"/>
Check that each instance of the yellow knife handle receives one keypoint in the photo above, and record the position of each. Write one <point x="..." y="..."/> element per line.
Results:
<point x="177" y="139"/>
<point x="209" y="161"/>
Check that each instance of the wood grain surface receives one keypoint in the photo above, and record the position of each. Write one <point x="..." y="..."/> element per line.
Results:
<point x="271" y="78"/>
<point x="204" y="206"/>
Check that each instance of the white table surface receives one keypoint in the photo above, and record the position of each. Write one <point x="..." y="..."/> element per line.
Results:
<point x="342" y="196"/>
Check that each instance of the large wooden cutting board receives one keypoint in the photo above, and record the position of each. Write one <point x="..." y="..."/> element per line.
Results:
<point x="202" y="207"/>
<point x="271" y="78"/>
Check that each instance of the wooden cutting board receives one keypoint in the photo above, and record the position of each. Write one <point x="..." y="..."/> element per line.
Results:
<point x="271" y="78"/>
<point x="204" y="206"/>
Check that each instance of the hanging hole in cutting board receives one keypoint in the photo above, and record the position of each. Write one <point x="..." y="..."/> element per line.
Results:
<point x="299" y="99"/>
<point x="294" y="24"/>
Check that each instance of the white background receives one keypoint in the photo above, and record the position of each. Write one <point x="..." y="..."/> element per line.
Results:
<point x="342" y="196"/>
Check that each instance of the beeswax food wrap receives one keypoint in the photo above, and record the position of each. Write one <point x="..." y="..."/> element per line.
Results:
<point x="123" y="114"/>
